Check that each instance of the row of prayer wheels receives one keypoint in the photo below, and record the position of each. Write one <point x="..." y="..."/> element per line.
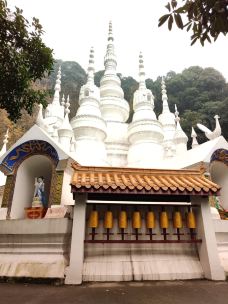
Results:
<point x="137" y="220"/>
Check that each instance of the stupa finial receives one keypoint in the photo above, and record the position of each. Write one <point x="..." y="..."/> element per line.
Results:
<point x="67" y="104"/>
<point x="65" y="131"/>
<point x="179" y="133"/>
<point x="57" y="87"/>
<point x="110" y="57"/>
<point x="177" y="118"/>
<point x="142" y="83"/>
<point x="194" y="139"/>
<point x="164" y="97"/>
<point x="110" y="34"/>
<point x="63" y="101"/>
<point x="91" y="66"/>
<point x="40" y="119"/>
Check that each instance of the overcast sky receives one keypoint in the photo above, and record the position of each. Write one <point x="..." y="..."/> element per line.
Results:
<point x="73" y="26"/>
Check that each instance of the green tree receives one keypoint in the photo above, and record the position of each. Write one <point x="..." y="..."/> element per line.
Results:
<point x="205" y="18"/>
<point x="24" y="58"/>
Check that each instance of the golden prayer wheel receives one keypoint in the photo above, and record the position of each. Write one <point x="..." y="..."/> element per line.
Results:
<point x="150" y="220"/>
<point x="164" y="220"/>
<point x="123" y="220"/>
<point x="108" y="220"/>
<point x="177" y="220"/>
<point x="136" y="220"/>
<point x="93" y="219"/>
<point x="191" y="220"/>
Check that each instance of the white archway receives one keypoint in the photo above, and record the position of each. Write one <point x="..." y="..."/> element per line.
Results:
<point x="29" y="169"/>
<point x="219" y="175"/>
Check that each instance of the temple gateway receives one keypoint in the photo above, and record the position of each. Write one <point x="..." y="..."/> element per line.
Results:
<point x="99" y="198"/>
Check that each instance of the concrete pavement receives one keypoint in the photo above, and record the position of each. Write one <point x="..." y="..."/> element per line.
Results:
<point x="177" y="292"/>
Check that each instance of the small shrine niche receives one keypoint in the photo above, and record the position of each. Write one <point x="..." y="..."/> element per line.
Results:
<point x="31" y="174"/>
<point x="24" y="192"/>
<point x="219" y="174"/>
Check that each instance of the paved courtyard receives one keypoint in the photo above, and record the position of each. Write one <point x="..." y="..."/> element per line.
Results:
<point x="197" y="292"/>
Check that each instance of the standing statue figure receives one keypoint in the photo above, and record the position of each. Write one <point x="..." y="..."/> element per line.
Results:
<point x="39" y="190"/>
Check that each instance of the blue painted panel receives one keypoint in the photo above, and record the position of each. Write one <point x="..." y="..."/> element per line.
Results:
<point x="28" y="148"/>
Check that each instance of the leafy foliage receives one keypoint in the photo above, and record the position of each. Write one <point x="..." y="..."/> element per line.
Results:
<point x="16" y="130"/>
<point x="198" y="93"/>
<point x="24" y="58"/>
<point x="205" y="18"/>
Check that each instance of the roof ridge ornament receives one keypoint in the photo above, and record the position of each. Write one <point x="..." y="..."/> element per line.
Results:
<point x="211" y="134"/>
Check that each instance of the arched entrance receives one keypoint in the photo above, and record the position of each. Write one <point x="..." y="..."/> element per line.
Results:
<point x="29" y="169"/>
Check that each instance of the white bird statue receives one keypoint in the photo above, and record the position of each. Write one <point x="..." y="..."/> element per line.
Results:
<point x="211" y="134"/>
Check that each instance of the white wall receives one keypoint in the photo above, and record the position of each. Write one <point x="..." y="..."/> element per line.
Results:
<point x="34" y="166"/>
<point x="219" y="175"/>
<point x="67" y="196"/>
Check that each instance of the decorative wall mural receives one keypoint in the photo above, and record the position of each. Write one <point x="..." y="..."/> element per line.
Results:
<point x="28" y="148"/>
<point x="57" y="191"/>
<point x="220" y="155"/>
<point x="8" y="191"/>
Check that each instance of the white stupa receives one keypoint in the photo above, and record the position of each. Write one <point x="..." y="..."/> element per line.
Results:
<point x="114" y="108"/>
<point x="88" y="125"/>
<point x="145" y="131"/>
<point x="75" y="157"/>
<point x="167" y="119"/>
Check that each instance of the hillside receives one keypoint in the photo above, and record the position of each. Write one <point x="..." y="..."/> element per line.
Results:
<point x="199" y="94"/>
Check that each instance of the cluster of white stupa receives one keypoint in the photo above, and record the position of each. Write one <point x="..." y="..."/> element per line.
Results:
<point x="99" y="133"/>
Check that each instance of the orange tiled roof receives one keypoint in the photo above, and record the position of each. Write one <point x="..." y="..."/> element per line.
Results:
<point x="127" y="180"/>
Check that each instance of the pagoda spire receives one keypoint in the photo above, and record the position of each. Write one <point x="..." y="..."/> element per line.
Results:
<point x="110" y="57"/>
<point x="179" y="130"/>
<point x="91" y="70"/>
<point x="143" y="101"/>
<point x="5" y="141"/>
<point x="194" y="139"/>
<point x="63" y="101"/>
<point x="164" y="97"/>
<point x="40" y="121"/>
<point x="65" y="132"/>
<point x="55" y="109"/>
<point x="180" y="138"/>
<point x="142" y="81"/>
<point x="66" y="123"/>
<point x="57" y="88"/>
<point x="167" y="118"/>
